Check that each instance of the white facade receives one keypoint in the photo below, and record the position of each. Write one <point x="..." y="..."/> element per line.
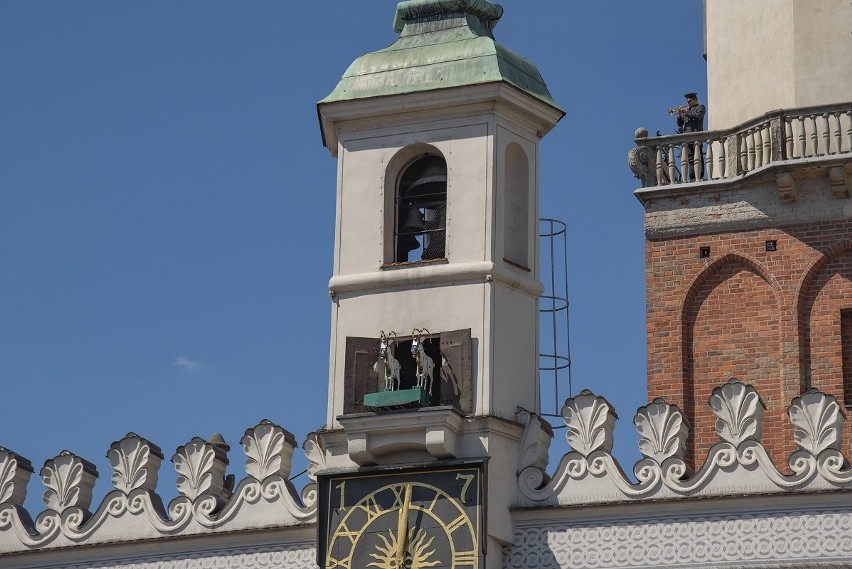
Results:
<point x="775" y="54"/>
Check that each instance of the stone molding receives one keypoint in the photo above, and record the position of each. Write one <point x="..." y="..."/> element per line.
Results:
<point x="737" y="465"/>
<point x="818" y="537"/>
<point x="208" y="501"/>
<point x="299" y="556"/>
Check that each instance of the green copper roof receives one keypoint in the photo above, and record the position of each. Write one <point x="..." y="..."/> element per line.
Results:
<point x="443" y="44"/>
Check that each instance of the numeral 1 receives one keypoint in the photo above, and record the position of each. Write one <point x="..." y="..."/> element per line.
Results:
<point x="342" y="487"/>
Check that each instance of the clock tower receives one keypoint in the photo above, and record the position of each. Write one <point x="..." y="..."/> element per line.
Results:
<point x="434" y="333"/>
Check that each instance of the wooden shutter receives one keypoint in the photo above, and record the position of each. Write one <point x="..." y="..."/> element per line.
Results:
<point x="456" y="372"/>
<point x="359" y="376"/>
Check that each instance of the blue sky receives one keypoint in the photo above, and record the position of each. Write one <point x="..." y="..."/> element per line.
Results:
<point x="167" y="207"/>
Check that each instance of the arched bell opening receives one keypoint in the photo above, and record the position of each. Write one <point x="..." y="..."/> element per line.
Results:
<point x="421" y="211"/>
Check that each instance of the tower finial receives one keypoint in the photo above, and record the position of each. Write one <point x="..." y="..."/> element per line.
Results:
<point x="409" y="10"/>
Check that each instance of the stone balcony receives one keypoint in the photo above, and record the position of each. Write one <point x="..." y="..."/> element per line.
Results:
<point x="769" y="145"/>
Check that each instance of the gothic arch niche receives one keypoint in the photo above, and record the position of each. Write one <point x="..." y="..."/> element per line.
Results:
<point x="732" y="328"/>
<point x="416" y="205"/>
<point x="516" y="206"/>
<point x="825" y="317"/>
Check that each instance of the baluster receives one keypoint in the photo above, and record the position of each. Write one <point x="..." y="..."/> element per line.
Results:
<point x="788" y="136"/>
<point x="670" y="149"/>
<point x="750" y="145"/>
<point x="684" y="159"/>
<point x="802" y="139"/>
<point x="838" y="139"/>
<point x="658" y="168"/>
<point x="743" y="138"/>
<point x="767" y="143"/>
<point x="814" y="136"/>
<point x="849" y="131"/>
<point x="710" y="159"/>
<point x="723" y="153"/>
<point x="695" y="167"/>
<point x="826" y="134"/>
<point x="758" y="147"/>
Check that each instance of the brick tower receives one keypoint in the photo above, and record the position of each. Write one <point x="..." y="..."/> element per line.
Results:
<point x="749" y="270"/>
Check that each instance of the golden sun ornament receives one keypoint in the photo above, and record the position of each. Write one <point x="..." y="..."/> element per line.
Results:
<point x="416" y="555"/>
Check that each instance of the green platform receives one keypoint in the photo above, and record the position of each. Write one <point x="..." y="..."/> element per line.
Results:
<point x="400" y="399"/>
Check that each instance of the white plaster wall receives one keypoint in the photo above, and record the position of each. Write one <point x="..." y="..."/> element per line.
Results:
<point x="508" y="133"/>
<point x="764" y="55"/>
<point x="749" y="59"/>
<point x="822" y="52"/>
<point x="362" y="201"/>
<point x="514" y="353"/>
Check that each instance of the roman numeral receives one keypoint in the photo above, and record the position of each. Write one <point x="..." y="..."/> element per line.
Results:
<point x="399" y="495"/>
<point x="456" y="523"/>
<point x="344" y="531"/>
<point x="332" y="563"/>
<point x="465" y="558"/>
<point x="372" y="508"/>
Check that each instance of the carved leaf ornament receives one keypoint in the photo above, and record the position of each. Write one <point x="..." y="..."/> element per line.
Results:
<point x="69" y="481"/>
<point x="817" y="421"/>
<point x="8" y="470"/>
<point x="739" y="411"/>
<point x="14" y="474"/>
<point x="535" y="441"/>
<point x="195" y="463"/>
<point x="662" y="430"/>
<point x="315" y="456"/>
<point x="269" y="449"/>
<point x="134" y="461"/>
<point x="590" y="421"/>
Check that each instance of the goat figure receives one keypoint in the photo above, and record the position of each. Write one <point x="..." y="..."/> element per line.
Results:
<point x="425" y="365"/>
<point x="388" y="366"/>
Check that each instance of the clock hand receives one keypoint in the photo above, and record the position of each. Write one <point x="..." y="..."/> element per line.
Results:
<point x="402" y="527"/>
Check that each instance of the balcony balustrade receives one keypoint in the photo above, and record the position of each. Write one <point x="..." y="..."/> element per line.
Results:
<point x="785" y="136"/>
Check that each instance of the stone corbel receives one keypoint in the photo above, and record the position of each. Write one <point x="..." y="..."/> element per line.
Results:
<point x="786" y="187"/>
<point x="839" y="182"/>
<point x="431" y="433"/>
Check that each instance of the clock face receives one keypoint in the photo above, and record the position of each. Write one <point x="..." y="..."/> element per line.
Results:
<point x="403" y="519"/>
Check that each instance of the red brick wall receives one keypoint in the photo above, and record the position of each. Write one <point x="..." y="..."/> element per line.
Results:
<point x="846" y="339"/>
<point x="771" y="319"/>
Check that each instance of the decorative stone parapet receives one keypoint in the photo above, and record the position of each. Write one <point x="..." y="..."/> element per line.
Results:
<point x="208" y="500"/>
<point x="737" y="465"/>
<point x="780" y="137"/>
<point x="15" y="472"/>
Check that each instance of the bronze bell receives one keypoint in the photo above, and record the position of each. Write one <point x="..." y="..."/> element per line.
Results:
<point x="413" y="222"/>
